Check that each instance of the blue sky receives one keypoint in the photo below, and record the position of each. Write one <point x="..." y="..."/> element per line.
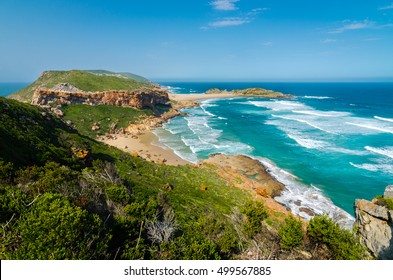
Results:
<point x="212" y="40"/>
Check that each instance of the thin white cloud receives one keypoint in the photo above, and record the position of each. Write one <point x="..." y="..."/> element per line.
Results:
<point x="224" y="5"/>
<point x="354" y="25"/>
<point x="257" y="11"/>
<point x="327" y="41"/>
<point x="229" y="22"/>
<point x="239" y="18"/>
<point x="268" y="44"/>
<point x="386" y="7"/>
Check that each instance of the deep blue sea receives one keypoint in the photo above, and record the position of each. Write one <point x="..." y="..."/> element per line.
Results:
<point x="330" y="144"/>
<point x="8" y="88"/>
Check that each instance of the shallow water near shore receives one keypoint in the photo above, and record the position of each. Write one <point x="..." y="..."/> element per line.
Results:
<point x="331" y="144"/>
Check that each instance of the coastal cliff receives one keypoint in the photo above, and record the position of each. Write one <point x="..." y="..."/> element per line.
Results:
<point x="140" y="98"/>
<point x="374" y="222"/>
<point x="86" y="81"/>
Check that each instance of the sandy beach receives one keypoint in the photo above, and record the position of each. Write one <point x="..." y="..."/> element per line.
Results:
<point x="146" y="146"/>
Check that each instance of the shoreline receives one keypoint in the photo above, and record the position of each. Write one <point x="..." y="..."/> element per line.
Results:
<point x="143" y="146"/>
<point x="146" y="144"/>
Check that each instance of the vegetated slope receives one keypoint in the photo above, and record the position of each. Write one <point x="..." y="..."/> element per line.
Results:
<point x="84" y="80"/>
<point x="66" y="196"/>
<point x="84" y="117"/>
<point x="121" y="75"/>
<point x="28" y="135"/>
<point x="87" y="200"/>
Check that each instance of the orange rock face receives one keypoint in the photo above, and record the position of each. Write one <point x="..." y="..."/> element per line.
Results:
<point x="140" y="99"/>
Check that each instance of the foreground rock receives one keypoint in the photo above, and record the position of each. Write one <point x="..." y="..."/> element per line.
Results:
<point x="257" y="92"/>
<point x="375" y="227"/>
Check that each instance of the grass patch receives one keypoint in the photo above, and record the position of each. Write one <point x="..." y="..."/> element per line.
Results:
<point x="83" y="117"/>
<point x="83" y="80"/>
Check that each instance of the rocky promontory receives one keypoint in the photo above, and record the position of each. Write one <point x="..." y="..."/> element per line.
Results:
<point x="374" y="223"/>
<point x="139" y="98"/>
<point x="249" y="174"/>
<point x="256" y="92"/>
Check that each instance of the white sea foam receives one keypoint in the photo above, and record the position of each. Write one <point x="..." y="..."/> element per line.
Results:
<point x="321" y="114"/>
<point x="317" y="97"/>
<point x="347" y="151"/>
<point x="372" y="127"/>
<point x="280" y="105"/>
<point x="174" y="89"/>
<point x="386" y="151"/>
<point x="308" y="196"/>
<point x="203" y="107"/>
<point x="308" y="143"/>
<point x="305" y="122"/>
<point x="172" y="143"/>
<point x="383" y="119"/>
<point x="381" y="167"/>
<point x="199" y="126"/>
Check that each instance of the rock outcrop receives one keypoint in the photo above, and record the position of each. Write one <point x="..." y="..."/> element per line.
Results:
<point x="141" y="98"/>
<point x="260" y="92"/>
<point x="375" y="226"/>
<point x="250" y="175"/>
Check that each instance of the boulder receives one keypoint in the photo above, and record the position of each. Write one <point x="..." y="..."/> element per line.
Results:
<point x="388" y="192"/>
<point x="95" y="127"/>
<point x="375" y="228"/>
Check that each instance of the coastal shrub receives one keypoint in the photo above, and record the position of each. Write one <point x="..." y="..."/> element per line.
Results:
<point x="218" y="231"/>
<point x="388" y="202"/>
<point x="135" y="250"/>
<point x="52" y="177"/>
<point x="118" y="194"/>
<point x="12" y="203"/>
<point x="342" y="243"/>
<point x="55" y="229"/>
<point x="193" y="247"/>
<point x="255" y="212"/>
<point x="291" y="233"/>
<point x="6" y="172"/>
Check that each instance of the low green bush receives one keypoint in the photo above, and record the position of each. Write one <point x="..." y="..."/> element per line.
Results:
<point x="55" y="229"/>
<point x="291" y="233"/>
<point x="342" y="243"/>
<point x="388" y="202"/>
<point x="255" y="213"/>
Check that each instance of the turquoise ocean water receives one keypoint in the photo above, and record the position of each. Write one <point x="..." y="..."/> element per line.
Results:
<point x="330" y="144"/>
<point x="8" y="88"/>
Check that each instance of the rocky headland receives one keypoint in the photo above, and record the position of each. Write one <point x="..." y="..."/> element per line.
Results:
<point x="249" y="174"/>
<point x="374" y="223"/>
<point x="140" y="98"/>
<point x="254" y="92"/>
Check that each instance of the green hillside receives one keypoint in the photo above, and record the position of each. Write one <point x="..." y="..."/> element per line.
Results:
<point x="120" y="74"/>
<point x="64" y="195"/>
<point x="107" y="204"/>
<point x="98" y="80"/>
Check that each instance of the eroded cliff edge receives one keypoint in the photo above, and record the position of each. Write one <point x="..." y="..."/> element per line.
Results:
<point x="374" y="223"/>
